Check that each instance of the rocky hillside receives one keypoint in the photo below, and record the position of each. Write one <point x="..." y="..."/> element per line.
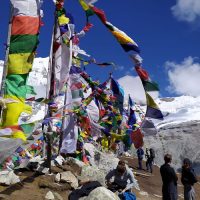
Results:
<point x="72" y="174"/>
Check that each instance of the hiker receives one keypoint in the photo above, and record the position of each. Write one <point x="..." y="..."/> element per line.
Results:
<point x="169" y="179"/>
<point x="140" y="154"/>
<point x="123" y="178"/>
<point x="188" y="179"/>
<point x="150" y="155"/>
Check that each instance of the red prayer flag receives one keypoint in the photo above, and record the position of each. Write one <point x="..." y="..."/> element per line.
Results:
<point x="137" y="138"/>
<point x="142" y="73"/>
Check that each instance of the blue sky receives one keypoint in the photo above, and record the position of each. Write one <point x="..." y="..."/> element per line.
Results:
<point x="167" y="32"/>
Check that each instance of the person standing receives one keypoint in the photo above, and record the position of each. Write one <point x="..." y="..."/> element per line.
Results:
<point x="147" y="156"/>
<point x="140" y="154"/>
<point x="188" y="179"/>
<point x="150" y="155"/>
<point x="169" y="179"/>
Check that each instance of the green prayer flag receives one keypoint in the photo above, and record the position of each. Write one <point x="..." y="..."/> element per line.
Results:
<point x="150" y="86"/>
<point x="16" y="85"/>
<point x="23" y="43"/>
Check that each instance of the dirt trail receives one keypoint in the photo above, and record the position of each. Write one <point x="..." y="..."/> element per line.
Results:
<point x="152" y="184"/>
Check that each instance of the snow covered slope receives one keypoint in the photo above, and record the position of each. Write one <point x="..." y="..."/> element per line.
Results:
<point x="179" y="109"/>
<point x="179" y="132"/>
<point x="38" y="76"/>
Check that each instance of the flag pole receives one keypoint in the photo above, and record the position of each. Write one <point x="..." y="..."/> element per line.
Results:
<point x="49" y="73"/>
<point x="50" y="92"/>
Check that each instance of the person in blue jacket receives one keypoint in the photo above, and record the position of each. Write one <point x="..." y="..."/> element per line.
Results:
<point x="140" y="155"/>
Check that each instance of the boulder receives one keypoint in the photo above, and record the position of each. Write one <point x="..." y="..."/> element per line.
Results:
<point x="57" y="177"/>
<point x="48" y="182"/>
<point x="56" y="169"/>
<point x="57" y="196"/>
<point x="74" y="165"/>
<point x="101" y="193"/>
<point x="104" y="161"/>
<point x="74" y="161"/>
<point x="59" y="160"/>
<point x="82" y="198"/>
<point x="49" y="196"/>
<point x="68" y="177"/>
<point x="92" y="173"/>
<point x="8" y="178"/>
<point x="107" y="162"/>
<point x="4" y="197"/>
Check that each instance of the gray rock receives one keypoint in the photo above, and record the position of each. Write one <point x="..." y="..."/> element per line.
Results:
<point x="75" y="162"/>
<point x="68" y="177"/>
<point x="8" y="178"/>
<point x="48" y="182"/>
<point x="59" y="160"/>
<point x="92" y="173"/>
<point x="83" y="198"/>
<point x="57" y="196"/>
<point x="105" y="162"/>
<point x="100" y="167"/>
<point x="56" y="169"/>
<point x="73" y="165"/>
<point x="101" y="193"/>
<point x="49" y="196"/>
<point x="57" y="177"/>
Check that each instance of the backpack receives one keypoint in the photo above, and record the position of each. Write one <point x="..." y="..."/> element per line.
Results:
<point x="129" y="196"/>
<point x="152" y="153"/>
<point x="193" y="177"/>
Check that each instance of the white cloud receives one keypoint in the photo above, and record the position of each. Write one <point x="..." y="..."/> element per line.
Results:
<point x="132" y="85"/>
<point x="184" y="78"/>
<point x="186" y="10"/>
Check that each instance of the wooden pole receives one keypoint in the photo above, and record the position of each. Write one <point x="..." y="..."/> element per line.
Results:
<point x="49" y="72"/>
<point x="49" y="153"/>
<point x="50" y="92"/>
